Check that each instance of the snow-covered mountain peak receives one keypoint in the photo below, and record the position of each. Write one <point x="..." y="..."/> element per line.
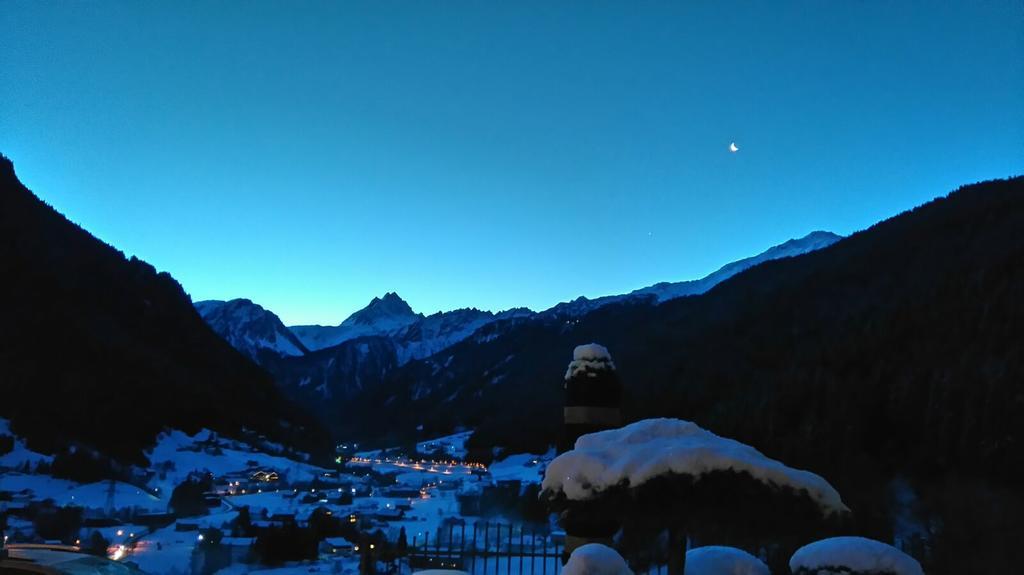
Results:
<point x="384" y="312"/>
<point x="384" y="316"/>
<point x="249" y="328"/>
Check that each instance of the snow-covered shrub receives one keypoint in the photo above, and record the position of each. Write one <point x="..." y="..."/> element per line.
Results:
<point x="670" y="475"/>
<point x="852" y="556"/>
<point x="589" y="359"/>
<point x="633" y="455"/>
<point x="718" y="560"/>
<point x="596" y="559"/>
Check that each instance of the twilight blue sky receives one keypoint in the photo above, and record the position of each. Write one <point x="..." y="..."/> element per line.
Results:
<point x="312" y="155"/>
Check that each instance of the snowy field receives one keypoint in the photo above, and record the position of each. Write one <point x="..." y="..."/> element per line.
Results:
<point x="180" y="454"/>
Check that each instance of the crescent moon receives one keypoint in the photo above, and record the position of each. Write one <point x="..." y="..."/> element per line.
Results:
<point x="733" y="147"/>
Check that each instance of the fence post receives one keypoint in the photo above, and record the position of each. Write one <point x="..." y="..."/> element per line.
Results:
<point x="451" y="531"/>
<point x="474" y="551"/>
<point x="521" y="540"/>
<point x="487" y="547"/>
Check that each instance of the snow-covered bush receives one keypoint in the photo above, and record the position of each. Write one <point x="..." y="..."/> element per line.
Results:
<point x="852" y="556"/>
<point x="596" y="559"/>
<point x="661" y="475"/>
<point x="633" y="455"/>
<point x="718" y="560"/>
<point x="589" y="359"/>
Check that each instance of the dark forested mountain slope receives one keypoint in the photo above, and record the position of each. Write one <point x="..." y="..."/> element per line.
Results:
<point x="896" y="353"/>
<point x="900" y="347"/>
<point x="103" y="351"/>
<point x="325" y="381"/>
<point x="391" y="334"/>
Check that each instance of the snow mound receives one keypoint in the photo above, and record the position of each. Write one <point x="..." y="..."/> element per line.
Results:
<point x="846" y="555"/>
<point x="19" y="455"/>
<point x="592" y="357"/>
<point x="641" y="451"/>
<point x="595" y="559"/>
<point x="717" y="560"/>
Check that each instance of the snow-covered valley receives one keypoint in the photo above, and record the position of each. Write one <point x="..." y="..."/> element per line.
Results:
<point x="250" y="492"/>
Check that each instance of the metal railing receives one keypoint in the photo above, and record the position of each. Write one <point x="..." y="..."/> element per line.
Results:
<point x="486" y="548"/>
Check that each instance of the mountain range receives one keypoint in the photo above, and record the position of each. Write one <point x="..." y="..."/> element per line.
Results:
<point x="253" y="330"/>
<point x="325" y="368"/>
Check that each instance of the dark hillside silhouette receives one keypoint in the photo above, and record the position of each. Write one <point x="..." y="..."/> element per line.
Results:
<point x="898" y="351"/>
<point x="103" y="351"/>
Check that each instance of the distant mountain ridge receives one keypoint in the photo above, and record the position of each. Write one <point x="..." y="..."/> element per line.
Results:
<point x="254" y="330"/>
<point x="665" y="291"/>
<point x="340" y="363"/>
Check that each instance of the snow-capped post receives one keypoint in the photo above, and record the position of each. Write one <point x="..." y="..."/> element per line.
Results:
<point x="593" y="394"/>
<point x="593" y="397"/>
<point x="670" y="475"/>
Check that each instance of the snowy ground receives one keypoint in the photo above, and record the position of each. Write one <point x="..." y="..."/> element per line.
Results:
<point x="525" y="467"/>
<point x="454" y="445"/>
<point x="177" y="454"/>
<point x="20" y="454"/>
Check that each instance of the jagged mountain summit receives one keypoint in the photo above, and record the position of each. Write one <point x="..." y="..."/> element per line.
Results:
<point x="390" y="311"/>
<point x="414" y="335"/>
<point x="250" y="328"/>
<point x="382" y="316"/>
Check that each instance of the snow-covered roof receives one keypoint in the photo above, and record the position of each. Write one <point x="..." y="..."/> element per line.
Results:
<point x="591" y="357"/>
<point x="852" y="555"/>
<point x="632" y="455"/>
<point x="718" y="560"/>
<point x="596" y="559"/>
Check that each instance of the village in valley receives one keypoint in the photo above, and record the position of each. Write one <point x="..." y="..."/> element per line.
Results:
<point x="209" y="504"/>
